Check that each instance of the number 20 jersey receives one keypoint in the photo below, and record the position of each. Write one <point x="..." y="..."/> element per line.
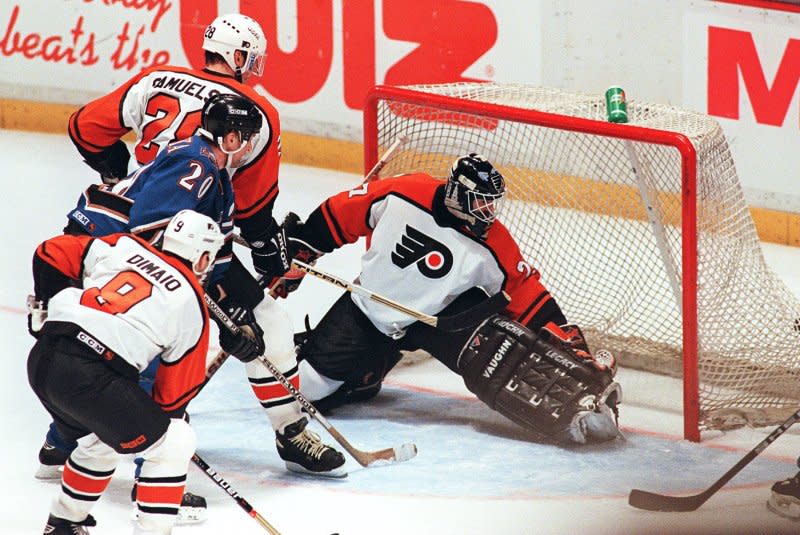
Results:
<point x="164" y="103"/>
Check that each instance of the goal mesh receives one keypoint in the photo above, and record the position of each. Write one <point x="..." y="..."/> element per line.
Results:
<point x="600" y="218"/>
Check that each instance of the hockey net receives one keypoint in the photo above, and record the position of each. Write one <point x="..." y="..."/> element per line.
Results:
<point x="640" y="231"/>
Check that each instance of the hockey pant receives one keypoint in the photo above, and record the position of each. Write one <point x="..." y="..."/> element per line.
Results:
<point x="345" y="358"/>
<point x="109" y="414"/>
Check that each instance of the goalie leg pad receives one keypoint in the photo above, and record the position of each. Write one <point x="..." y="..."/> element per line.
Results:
<point x="541" y="386"/>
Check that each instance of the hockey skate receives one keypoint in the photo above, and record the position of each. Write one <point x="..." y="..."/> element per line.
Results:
<point x="51" y="462"/>
<point x="304" y="453"/>
<point x="193" y="509"/>
<point x="785" y="498"/>
<point x="61" y="526"/>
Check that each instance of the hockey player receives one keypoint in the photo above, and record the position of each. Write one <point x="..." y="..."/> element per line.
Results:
<point x="437" y="247"/>
<point x="141" y="203"/>
<point x="162" y="104"/>
<point x="102" y="310"/>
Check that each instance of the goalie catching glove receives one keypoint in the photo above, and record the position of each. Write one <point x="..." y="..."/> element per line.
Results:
<point x="548" y="383"/>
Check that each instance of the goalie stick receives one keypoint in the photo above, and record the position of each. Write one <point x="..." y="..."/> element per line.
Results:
<point x="397" y="454"/>
<point x="463" y="320"/>
<point x="651" y="501"/>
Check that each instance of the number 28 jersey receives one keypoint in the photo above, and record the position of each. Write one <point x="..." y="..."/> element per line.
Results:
<point x="136" y="301"/>
<point x="164" y="103"/>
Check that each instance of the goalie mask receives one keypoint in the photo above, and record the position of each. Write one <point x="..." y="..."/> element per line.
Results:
<point x="225" y="113"/>
<point x="189" y="235"/>
<point x="234" y="32"/>
<point x="474" y="192"/>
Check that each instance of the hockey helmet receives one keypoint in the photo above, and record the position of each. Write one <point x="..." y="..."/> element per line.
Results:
<point x="232" y="32"/>
<point x="223" y="113"/>
<point x="189" y="235"/>
<point x="474" y="192"/>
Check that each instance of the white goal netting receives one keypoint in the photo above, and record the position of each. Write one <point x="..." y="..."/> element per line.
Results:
<point x="600" y="217"/>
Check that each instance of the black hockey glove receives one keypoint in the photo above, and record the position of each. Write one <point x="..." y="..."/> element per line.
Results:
<point x="248" y="343"/>
<point x="298" y="248"/>
<point x="111" y="163"/>
<point x="271" y="255"/>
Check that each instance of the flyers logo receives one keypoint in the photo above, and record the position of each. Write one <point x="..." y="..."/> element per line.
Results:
<point x="433" y="258"/>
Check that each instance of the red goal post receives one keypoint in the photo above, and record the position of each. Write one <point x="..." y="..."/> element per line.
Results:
<point x="622" y="201"/>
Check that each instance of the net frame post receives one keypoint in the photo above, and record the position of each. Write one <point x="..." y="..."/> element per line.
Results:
<point x="688" y="156"/>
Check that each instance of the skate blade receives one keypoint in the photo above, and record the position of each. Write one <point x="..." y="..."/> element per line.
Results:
<point x="186" y="515"/>
<point x="785" y="509"/>
<point x="191" y="515"/>
<point x="336" y="473"/>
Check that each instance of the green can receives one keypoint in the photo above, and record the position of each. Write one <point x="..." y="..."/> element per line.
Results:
<point x="616" y="106"/>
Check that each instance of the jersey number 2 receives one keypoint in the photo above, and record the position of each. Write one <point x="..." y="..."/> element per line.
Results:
<point x="119" y="294"/>
<point x="169" y="110"/>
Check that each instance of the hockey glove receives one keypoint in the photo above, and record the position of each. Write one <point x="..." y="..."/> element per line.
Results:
<point x="111" y="163"/>
<point x="298" y="248"/>
<point x="37" y="313"/>
<point x="248" y="343"/>
<point x="271" y="256"/>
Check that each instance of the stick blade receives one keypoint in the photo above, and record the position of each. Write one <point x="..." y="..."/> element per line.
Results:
<point x="397" y="454"/>
<point x="650" y="501"/>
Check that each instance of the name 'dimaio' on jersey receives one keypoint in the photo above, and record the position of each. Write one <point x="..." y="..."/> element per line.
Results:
<point x="155" y="272"/>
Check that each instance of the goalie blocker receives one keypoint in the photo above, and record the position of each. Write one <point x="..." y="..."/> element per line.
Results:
<point x="549" y="384"/>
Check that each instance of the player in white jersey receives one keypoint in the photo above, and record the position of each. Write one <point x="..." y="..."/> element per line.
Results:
<point x="434" y="246"/>
<point x="103" y="309"/>
<point x="162" y="104"/>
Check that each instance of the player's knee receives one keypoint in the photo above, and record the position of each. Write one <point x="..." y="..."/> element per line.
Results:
<point x="176" y="447"/>
<point x="278" y="332"/>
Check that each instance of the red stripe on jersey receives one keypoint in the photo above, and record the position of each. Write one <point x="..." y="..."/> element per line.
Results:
<point x="524" y="320"/>
<point x="158" y="494"/>
<point x="82" y="483"/>
<point x="266" y="392"/>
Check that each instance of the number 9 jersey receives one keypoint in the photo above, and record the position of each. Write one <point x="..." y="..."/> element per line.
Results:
<point x="130" y="301"/>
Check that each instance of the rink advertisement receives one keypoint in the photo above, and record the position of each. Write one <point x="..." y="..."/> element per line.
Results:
<point x="748" y="78"/>
<point x="738" y="63"/>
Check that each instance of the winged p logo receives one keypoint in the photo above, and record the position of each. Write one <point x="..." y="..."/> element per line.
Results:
<point x="433" y="258"/>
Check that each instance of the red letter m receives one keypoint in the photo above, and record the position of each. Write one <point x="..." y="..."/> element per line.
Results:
<point x="733" y="51"/>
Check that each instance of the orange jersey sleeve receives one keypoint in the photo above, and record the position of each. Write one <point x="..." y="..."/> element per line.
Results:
<point x="346" y="215"/>
<point x="65" y="254"/>
<point x="531" y="303"/>
<point x="179" y="378"/>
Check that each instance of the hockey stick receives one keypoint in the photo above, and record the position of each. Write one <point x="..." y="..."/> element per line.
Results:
<point x="224" y="485"/>
<point x="379" y="165"/>
<point x="401" y="453"/>
<point x="642" y="499"/>
<point x="456" y="322"/>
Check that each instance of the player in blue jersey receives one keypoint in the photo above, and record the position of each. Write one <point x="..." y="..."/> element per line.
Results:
<point x="194" y="173"/>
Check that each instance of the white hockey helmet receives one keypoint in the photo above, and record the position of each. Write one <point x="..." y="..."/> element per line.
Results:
<point x="232" y="32"/>
<point x="189" y="235"/>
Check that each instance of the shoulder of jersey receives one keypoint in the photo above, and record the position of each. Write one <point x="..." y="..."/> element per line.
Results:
<point x="418" y="187"/>
<point x="500" y="239"/>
